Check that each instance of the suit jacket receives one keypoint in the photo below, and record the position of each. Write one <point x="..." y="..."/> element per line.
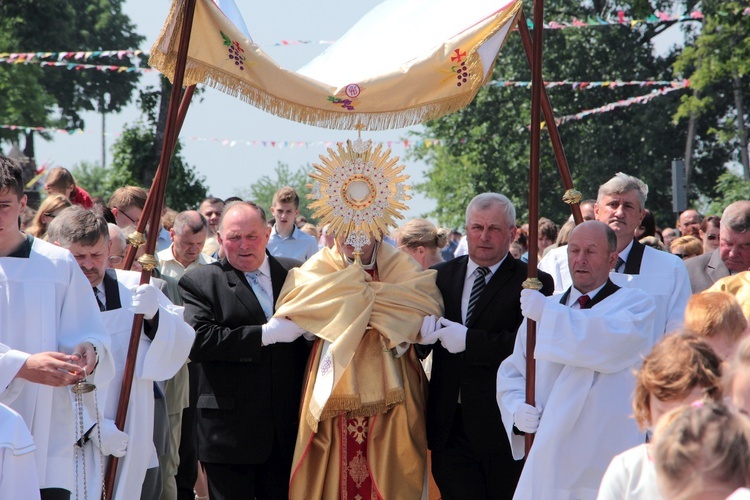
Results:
<point x="490" y="339"/>
<point x="705" y="270"/>
<point x="248" y="395"/>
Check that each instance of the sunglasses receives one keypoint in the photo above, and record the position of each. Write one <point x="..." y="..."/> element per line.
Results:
<point x="712" y="237"/>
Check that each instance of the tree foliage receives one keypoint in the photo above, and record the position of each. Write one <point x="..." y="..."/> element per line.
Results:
<point x="52" y="96"/>
<point x="485" y="147"/>
<point x="717" y="65"/>
<point x="262" y="191"/>
<point x="135" y="157"/>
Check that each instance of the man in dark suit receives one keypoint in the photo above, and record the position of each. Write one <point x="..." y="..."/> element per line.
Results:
<point x="251" y="365"/>
<point x="733" y="254"/>
<point x="471" y="456"/>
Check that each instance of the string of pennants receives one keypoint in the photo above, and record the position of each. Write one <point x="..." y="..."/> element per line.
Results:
<point x="623" y="103"/>
<point x="618" y="20"/>
<point x="575" y="85"/>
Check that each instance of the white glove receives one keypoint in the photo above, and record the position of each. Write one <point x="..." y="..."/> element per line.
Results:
<point x="452" y="335"/>
<point x="145" y="301"/>
<point x="526" y="418"/>
<point x="309" y="336"/>
<point x="114" y="441"/>
<point x="532" y="303"/>
<point x="280" y="330"/>
<point x="429" y="325"/>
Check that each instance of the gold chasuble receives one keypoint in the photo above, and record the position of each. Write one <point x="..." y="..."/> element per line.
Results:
<point x="362" y="430"/>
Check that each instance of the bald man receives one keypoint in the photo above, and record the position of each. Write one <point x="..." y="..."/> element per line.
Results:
<point x="589" y="340"/>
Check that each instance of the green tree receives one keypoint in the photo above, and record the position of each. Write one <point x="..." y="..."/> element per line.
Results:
<point x="52" y="96"/>
<point x="485" y="147"/>
<point x="717" y="65"/>
<point x="135" y="157"/>
<point x="93" y="178"/>
<point x="730" y="187"/>
<point x="262" y="191"/>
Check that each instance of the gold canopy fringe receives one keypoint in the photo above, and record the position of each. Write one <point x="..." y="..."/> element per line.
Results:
<point x="399" y="118"/>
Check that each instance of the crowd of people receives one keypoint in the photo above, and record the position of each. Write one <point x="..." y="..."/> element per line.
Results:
<point x="277" y="359"/>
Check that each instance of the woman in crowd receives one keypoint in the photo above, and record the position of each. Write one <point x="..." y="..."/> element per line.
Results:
<point x="423" y="241"/>
<point x="686" y="246"/>
<point x="48" y="210"/>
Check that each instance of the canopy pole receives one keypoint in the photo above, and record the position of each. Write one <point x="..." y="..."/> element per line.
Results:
<point x="537" y="85"/>
<point x="572" y="196"/>
<point x="151" y="214"/>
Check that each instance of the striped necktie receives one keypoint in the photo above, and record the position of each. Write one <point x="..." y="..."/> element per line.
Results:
<point x="619" y="264"/>
<point x="476" y="290"/>
<point x="98" y="300"/>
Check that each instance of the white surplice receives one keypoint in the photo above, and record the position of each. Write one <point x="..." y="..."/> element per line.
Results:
<point x="18" y="477"/>
<point x="662" y="275"/>
<point x="584" y="381"/>
<point x="46" y="304"/>
<point x="158" y="359"/>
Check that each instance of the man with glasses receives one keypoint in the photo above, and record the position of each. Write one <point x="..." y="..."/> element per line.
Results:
<point x="733" y="254"/>
<point x="127" y="205"/>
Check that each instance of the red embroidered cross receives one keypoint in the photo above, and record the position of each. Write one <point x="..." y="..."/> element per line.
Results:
<point x="459" y="56"/>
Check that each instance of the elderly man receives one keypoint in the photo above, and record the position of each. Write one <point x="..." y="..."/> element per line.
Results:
<point x="188" y="237"/>
<point x="588" y="342"/>
<point x="620" y="204"/>
<point x="669" y="234"/>
<point x="471" y="457"/>
<point x="733" y="254"/>
<point x="163" y="348"/>
<point x="47" y="313"/>
<point x="251" y="365"/>
<point x="689" y="223"/>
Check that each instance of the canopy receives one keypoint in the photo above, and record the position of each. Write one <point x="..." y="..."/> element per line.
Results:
<point x="405" y="62"/>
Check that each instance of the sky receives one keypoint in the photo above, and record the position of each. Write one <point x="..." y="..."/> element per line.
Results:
<point x="215" y="115"/>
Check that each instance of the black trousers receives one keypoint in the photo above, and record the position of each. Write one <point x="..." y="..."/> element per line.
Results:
<point x="266" y="481"/>
<point x="461" y="471"/>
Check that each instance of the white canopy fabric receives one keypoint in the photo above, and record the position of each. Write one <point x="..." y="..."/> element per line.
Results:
<point x="405" y="62"/>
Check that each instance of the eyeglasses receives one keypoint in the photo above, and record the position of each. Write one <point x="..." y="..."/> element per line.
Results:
<point x="680" y="255"/>
<point x="126" y="215"/>
<point x="47" y="214"/>
<point x="116" y="259"/>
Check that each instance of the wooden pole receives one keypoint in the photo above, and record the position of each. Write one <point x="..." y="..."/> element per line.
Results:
<point x="554" y="134"/>
<point x="155" y="199"/>
<point x="537" y="85"/>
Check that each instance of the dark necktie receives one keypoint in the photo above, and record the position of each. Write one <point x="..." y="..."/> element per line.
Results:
<point x="619" y="264"/>
<point x="476" y="290"/>
<point x="583" y="300"/>
<point x="98" y="301"/>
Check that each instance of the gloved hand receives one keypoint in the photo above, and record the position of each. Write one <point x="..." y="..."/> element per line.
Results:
<point x="114" y="441"/>
<point x="526" y="418"/>
<point x="280" y="330"/>
<point x="532" y="303"/>
<point x="429" y="325"/>
<point x="145" y="301"/>
<point x="452" y="335"/>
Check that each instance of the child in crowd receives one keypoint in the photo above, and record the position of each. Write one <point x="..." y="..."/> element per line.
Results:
<point x="682" y="368"/>
<point x="702" y="451"/>
<point x="717" y="317"/>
